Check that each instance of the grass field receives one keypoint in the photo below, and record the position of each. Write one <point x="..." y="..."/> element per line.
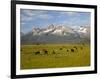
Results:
<point x="56" y="56"/>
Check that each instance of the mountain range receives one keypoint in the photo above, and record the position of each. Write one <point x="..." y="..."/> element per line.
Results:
<point x="57" y="34"/>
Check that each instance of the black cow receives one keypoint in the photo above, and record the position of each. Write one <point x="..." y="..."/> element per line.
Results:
<point x="67" y="50"/>
<point x="72" y="50"/>
<point x="60" y="48"/>
<point x="45" y="51"/>
<point x="81" y="48"/>
<point x="37" y="53"/>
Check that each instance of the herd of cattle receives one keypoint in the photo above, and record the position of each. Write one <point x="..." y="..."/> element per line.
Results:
<point x="72" y="49"/>
<point x="55" y="51"/>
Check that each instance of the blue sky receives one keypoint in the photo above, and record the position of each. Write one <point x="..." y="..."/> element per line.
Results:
<point x="31" y="18"/>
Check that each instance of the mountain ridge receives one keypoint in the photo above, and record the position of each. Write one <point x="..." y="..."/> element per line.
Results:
<point x="57" y="34"/>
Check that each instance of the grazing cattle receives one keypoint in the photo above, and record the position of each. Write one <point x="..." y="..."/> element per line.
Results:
<point x="75" y="47"/>
<point x="60" y="48"/>
<point x="37" y="53"/>
<point x="72" y="50"/>
<point x="81" y="48"/>
<point x="45" y="51"/>
<point x="67" y="50"/>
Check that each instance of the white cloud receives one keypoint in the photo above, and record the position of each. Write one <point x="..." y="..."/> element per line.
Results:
<point x="25" y="18"/>
<point x="69" y="13"/>
<point x="28" y="12"/>
<point x="28" y="15"/>
<point x="32" y="12"/>
<point x="45" y="16"/>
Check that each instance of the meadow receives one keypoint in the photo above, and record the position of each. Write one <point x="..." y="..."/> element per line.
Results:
<point x="54" y="56"/>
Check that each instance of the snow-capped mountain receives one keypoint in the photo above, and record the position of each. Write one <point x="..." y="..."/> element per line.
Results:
<point x="56" y="34"/>
<point x="53" y="30"/>
<point x="84" y="31"/>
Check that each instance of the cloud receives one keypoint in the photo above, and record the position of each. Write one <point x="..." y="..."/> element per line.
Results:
<point x="28" y="15"/>
<point x="69" y="13"/>
<point x="25" y="18"/>
<point x="27" y="12"/>
<point x="45" y="16"/>
<point x="32" y="12"/>
<point x="72" y="13"/>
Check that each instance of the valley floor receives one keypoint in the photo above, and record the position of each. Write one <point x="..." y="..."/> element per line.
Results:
<point x="54" y="56"/>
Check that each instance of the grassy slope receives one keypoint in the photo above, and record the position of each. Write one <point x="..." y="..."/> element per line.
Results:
<point x="62" y="58"/>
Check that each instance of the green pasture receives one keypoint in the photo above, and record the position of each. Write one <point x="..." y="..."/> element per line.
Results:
<point x="63" y="56"/>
